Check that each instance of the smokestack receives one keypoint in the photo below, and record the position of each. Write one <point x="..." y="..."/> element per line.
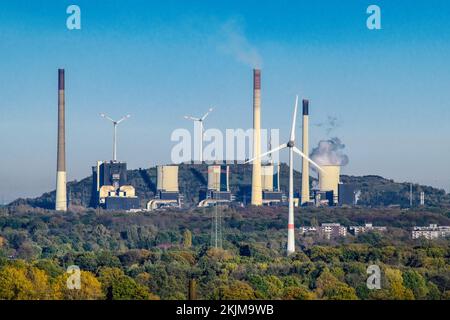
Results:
<point x="256" y="171"/>
<point x="305" y="149"/>
<point x="61" y="196"/>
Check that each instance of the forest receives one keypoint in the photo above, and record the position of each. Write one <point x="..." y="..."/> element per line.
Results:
<point x="154" y="255"/>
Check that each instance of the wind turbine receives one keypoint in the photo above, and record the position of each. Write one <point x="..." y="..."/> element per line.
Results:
<point x="115" y="123"/>
<point x="292" y="148"/>
<point x="200" y="121"/>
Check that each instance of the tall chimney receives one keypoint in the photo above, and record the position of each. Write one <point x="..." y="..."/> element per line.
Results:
<point x="256" y="172"/>
<point x="61" y="196"/>
<point x="305" y="147"/>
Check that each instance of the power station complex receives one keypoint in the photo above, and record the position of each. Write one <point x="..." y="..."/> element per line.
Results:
<point x="112" y="191"/>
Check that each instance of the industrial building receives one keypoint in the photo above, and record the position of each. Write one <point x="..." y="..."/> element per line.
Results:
<point x="218" y="190"/>
<point x="167" y="193"/>
<point x="111" y="189"/>
<point x="323" y="198"/>
<point x="329" y="181"/>
<point x="270" y="182"/>
<point x="348" y="194"/>
<point x="325" y="195"/>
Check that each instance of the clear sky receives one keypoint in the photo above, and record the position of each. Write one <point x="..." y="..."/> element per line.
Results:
<point x="159" y="60"/>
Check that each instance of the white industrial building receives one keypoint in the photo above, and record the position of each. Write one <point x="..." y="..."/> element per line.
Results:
<point x="433" y="231"/>
<point x="326" y="230"/>
<point x="366" y="228"/>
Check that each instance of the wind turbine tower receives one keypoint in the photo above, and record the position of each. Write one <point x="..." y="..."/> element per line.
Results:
<point x="115" y="123"/>
<point x="201" y="131"/>
<point x="292" y="148"/>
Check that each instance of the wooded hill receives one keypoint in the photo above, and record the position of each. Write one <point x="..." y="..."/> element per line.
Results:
<point x="375" y="190"/>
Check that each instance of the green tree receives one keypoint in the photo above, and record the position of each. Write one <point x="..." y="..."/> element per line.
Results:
<point x="392" y="287"/>
<point x="397" y="290"/>
<point x="14" y="284"/>
<point x="187" y="238"/>
<point x="415" y="282"/>
<point x="90" y="288"/>
<point x="236" y="290"/>
<point x="329" y="287"/>
<point x="118" y="286"/>
<point x="24" y="283"/>
<point x="298" y="293"/>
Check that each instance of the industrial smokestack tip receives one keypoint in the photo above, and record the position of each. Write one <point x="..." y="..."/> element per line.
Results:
<point x="256" y="79"/>
<point x="61" y="79"/>
<point x="305" y="107"/>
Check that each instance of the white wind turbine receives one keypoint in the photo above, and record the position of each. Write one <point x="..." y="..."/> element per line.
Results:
<point x="292" y="148"/>
<point x="115" y="123"/>
<point x="200" y="121"/>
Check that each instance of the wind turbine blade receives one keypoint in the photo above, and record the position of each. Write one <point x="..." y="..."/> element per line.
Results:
<point x="206" y="114"/>
<point x="296" y="150"/>
<point x="284" y="145"/>
<point x="191" y="118"/>
<point x="106" y="117"/>
<point x="124" y="118"/>
<point x="294" y="119"/>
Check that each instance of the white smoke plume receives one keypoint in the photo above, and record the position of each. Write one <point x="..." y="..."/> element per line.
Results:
<point x="330" y="152"/>
<point x="235" y="43"/>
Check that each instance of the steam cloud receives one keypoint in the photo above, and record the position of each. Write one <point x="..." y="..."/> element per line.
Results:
<point x="330" y="124"/>
<point x="330" y="152"/>
<point x="235" y="43"/>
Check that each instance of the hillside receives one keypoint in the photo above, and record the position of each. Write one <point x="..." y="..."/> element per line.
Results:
<point x="375" y="190"/>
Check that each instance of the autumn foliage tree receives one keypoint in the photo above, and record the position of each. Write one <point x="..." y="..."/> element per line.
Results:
<point x="90" y="288"/>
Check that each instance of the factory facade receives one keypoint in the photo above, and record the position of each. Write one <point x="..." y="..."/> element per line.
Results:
<point x="167" y="192"/>
<point x="110" y="186"/>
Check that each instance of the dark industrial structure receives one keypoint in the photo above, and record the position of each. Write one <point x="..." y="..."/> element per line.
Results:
<point x="348" y="194"/>
<point x="110" y="186"/>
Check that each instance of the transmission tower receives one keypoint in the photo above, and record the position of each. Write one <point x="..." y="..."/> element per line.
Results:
<point x="216" y="228"/>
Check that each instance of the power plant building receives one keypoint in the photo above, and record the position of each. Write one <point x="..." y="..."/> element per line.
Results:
<point x="112" y="191"/>
<point x="270" y="182"/>
<point x="167" y="193"/>
<point x="329" y="181"/>
<point x="348" y="194"/>
<point x="218" y="190"/>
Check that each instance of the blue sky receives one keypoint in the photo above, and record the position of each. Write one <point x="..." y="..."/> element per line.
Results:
<point x="160" y="60"/>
